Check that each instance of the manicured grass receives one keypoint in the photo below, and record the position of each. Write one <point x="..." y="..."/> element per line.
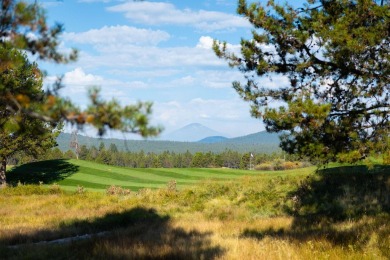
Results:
<point x="70" y="174"/>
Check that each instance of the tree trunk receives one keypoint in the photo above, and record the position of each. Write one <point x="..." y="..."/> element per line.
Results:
<point x="3" y="167"/>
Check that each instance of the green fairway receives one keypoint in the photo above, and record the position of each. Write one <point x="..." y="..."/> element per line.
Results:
<point x="70" y="174"/>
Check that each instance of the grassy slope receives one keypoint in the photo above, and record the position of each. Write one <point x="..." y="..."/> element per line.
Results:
<point x="98" y="177"/>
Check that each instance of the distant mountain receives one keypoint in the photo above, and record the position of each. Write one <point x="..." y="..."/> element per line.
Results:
<point x="191" y="133"/>
<point x="262" y="137"/>
<point x="261" y="142"/>
<point x="213" y="139"/>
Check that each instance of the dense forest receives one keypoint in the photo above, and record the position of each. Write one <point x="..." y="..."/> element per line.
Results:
<point x="113" y="156"/>
<point x="261" y="142"/>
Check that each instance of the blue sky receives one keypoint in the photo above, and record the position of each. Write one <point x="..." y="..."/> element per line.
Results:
<point x="157" y="51"/>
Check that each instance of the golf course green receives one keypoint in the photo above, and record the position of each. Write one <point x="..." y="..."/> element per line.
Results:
<point x="71" y="174"/>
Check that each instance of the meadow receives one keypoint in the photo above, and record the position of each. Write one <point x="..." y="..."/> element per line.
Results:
<point x="335" y="213"/>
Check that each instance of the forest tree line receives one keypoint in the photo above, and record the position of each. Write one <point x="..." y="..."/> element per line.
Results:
<point x="112" y="156"/>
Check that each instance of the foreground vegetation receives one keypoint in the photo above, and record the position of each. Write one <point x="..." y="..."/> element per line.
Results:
<point x="339" y="213"/>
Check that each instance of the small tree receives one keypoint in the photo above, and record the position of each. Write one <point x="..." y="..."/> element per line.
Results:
<point x="336" y="57"/>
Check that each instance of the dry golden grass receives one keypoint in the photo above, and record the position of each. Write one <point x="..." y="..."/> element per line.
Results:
<point x="210" y="221"/>
<point x="189" y="236"/>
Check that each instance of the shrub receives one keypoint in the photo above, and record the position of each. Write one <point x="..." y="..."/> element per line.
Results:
<point x="171" y="185"/>
<point x="80" y="190"/>
<point x="306" y="164"/>
<point x="291" y="165"/>
<point x="386" y="158"/>
<point x="264" y="167"/>
<point x="117" y="190"/>
<point x="278" y="164"/>
<point x="22" y="190"/>
<point x="55" y="189"/>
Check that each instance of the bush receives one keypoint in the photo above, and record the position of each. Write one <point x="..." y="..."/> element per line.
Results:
<point x="386" y="158"/>
<point x="264" y="167"/>
<point x="55" y="189"/>
<point x="291" y="165"/>
<point x="80" y="190"/>
<point x="278" y="164"/>
<point x="25" y="190"/>
<point x="116" y="190"/>
<point x="171" y="185"/>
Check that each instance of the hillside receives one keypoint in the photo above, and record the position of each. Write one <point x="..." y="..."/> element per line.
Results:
<point x="190" y="133"/>
<point x="261" y="142"/>
<point x="262" y="138"/>
<point x="213" y="139"/>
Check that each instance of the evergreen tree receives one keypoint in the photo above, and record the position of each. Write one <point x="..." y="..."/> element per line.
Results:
<point x="83" y="152"/>
<point x="55" y="153"/>
<point x="198" y="160"/>
<point x="23" y="132"/>
<point x="69" y="155"/>
<point x="113" y="149"/>
<point x="93" y="153"/>
<point x="335" y="55"/>
<point x="20" y="20"/>
<point x="102" y="147"/>
<point x="245" y="161"/>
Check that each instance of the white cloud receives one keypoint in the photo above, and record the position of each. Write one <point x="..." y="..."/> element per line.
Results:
<point x="182" y="82"/>
<point x="219" y="78"/>
<point x="158" y="13"/>
<point x="156" y="73"/>
<point x="77" y="82"/>
<point x="229" y="116"/>
<point x="205" y="42"/>
<point x="118" y="36"/>
<point x="78" y="77"/>
<point x="275" y="81"/>
<point x="150" y="57"/>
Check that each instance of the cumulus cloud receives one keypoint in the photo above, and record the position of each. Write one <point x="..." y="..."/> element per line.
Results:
<point x="118" y="35"/>
<point x="150" y="57"/>
<point x="157" y="13"/>
<point x="218" y="78"/>
<point x="78" y="77"/>
<point x="77" y="82"/>
<point x="228" y="116"/>
<point x="205" y="42"/>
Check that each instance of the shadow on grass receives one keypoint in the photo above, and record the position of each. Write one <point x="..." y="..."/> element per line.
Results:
<point x="44" y="171"/>
<point x="343" y="205"/>
<point x="138" y="233"/>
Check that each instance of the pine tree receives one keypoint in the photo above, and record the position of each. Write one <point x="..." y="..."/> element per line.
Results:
<point x="335" y="55"/>
<point x="23" y="132"/>
<point x="18" y="21"/>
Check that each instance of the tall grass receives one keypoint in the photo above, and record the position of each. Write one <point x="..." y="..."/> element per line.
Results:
<point x="253" y="217"/>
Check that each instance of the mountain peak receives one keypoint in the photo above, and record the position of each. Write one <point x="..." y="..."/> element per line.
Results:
<point x="191" y="133"/>
<point x="193" y="125"/>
